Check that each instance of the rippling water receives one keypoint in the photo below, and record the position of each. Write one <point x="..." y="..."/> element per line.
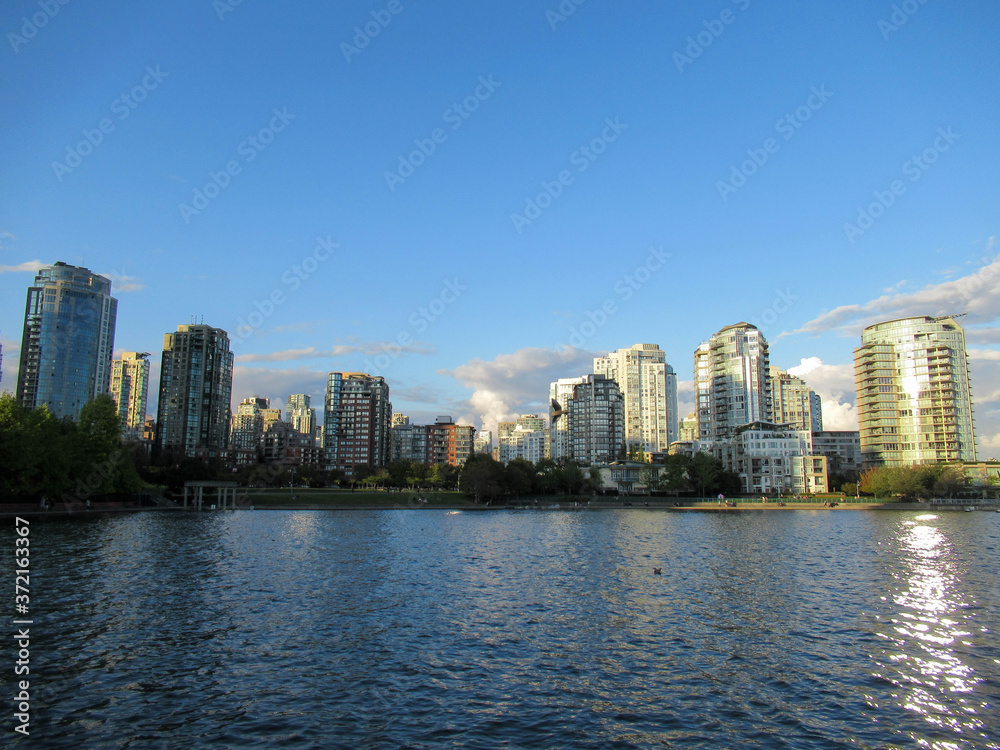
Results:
<point x="533" y="629"/>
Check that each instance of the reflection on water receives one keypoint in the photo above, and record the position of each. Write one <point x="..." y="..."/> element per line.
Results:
<point x="931" y="633"/>
<point x="530" y="629"/>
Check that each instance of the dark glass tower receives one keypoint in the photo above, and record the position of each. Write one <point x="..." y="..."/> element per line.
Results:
<point x="68" y="340"/>
<point x="196" y="383"/>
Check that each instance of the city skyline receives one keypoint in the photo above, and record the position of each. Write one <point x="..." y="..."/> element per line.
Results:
<point x="475" y="202"/>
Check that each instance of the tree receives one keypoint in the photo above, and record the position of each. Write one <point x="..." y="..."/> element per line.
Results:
<point x="546" y="481"/>
<point x="481" y="477"/>
<point x="675" y="472"/>
<point x="572" y="479"/>
<point x="518" y="477"/>
<point x="442" y="475"/>
<point x="704" y="472"/>
<point x="649" y="475"/>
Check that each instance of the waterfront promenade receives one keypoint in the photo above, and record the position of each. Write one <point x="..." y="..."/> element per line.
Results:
<point x="346" y="500"/>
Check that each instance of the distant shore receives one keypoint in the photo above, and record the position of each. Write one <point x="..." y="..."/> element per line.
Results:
<point x="449" y="501"/>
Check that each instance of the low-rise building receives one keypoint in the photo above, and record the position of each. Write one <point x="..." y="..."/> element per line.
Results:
<point x="772" y="458"/>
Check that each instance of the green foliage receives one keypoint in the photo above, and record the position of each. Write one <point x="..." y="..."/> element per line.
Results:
<point x="650" y="476"/>
<point x="518" y="477"/>
<point x="46" y="457"/>
<point x="481" y="478"/>
<point x="920" y="481"/>
<point x="675" y="472"/>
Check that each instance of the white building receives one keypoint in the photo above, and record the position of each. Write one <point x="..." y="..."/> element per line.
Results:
<point x="523" y="438"/>
<point x="649" y="389"/>
<point x="301" y="416"/>
<point x="732" y="388"/>
<point x="772" y="458"/>
<point x="794" y="402"/>
<point x="560" y="392"/>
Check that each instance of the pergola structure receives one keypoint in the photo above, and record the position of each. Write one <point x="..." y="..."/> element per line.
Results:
<point x="219" y="492"/>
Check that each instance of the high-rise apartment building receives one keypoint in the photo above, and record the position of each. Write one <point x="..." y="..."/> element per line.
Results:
<point x="731" y="382"/>
<point x="356" y="421"/>
<point x="483" y="442"/>
<point x="523" y="438"/>
<point x="914" y="395"/>
<point x="793" y="402"/>
<point x="443" y="442"/>
<point x="596" y="421"/>
<point x="196" y="384"/>
<point x="842" y="449"/>
<point x="688" y="429"/>
<point x="449" y="443"/>
<point x="409" y="441"/>
<point x="560" y="392"/>
<point x="301" y="416"/>
<point x="129" y="389"/>
<point x="649" y="388"/>
<point x="68" y="339"/>
<point x="248" y="426"/>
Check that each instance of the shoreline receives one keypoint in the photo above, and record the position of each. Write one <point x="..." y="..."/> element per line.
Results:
<point x="104" y="508"/>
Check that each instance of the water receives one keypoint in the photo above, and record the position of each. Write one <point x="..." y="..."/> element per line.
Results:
<point x="530" y="629"/>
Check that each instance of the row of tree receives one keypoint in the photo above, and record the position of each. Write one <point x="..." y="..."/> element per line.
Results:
<point x="922" y="481"/>
<point x="59" y="459"/>
<point x="485" y="479"/>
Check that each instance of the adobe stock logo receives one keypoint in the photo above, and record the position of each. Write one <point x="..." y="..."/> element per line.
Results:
<point x="29" y="29"/>
<point x="914" y="168"/>
<point x="625" y="288"/>
<point x="582" y="159"/>
<point x="293" y="278"/>
<point x="250" y="148"/>
<point x="363" y="36"/>
<point x="123" y="107"/>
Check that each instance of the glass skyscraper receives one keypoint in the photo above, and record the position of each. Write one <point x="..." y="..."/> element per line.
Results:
<point x="196" y="383"/>
<point x="914" y="396"/>
<point x="68" y="340"/>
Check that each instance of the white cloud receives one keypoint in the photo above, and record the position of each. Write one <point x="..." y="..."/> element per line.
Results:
<point x="977" y="293"/>
<point x="517" y="383"/>
<point x="835" y="386"/>
<point x="32" y="266"/>
<point x="340" y="350"/>
<point x="277" y="385"/>
<point x="123" y="284"/>
<point x="685" y="399"/>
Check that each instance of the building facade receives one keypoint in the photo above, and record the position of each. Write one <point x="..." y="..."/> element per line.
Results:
<point x="409" y="442"/>
<point x="67" y="344"/>
<point x="731" y="385"/>
<point x="560" y="392"/>
<point x="842" y="449"/>
<point x="443" y="442"/>
<point x="302" y="416"/>
<point x="248" y="427"/>
<point x="196" y="383"/>
<point x="356" y="421"/>
<point x="914" y="393"/>
<point x="526" y="438"/>
<point x="129" y="389"/>
<point x="793" y="402"/>
<point x="596" y="421"/>
<point x="449" y="443"/>
<point x="483" y="442"/>
<point x="773" y="458"/>
<point x="649" y="389"/>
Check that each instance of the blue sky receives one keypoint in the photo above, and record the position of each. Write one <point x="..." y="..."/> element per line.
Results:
<point x="462" y="192"/>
